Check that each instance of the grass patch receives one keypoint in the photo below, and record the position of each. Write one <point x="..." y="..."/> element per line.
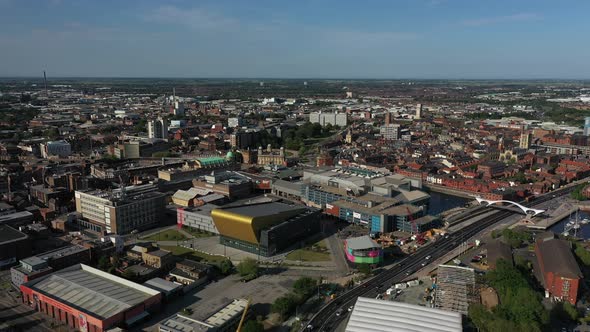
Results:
<point x="167" y="235"/>
<point x="196" y="232"/>
<point x="313" y="252"/>
<point x="194" y="255"/>
<point x="306" y="255"/>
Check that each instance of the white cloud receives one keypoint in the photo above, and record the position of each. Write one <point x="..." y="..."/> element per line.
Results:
<point x="521" y="17"/>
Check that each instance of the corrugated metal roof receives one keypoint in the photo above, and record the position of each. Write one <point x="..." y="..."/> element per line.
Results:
<point x="371" y="315"/>
<point x="89" y="292"/>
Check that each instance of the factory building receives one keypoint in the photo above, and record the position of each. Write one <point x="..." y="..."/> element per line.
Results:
<point x="87" y="299"/>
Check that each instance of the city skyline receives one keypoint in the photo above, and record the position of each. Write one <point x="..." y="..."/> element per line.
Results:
<point x="331" y="40"/>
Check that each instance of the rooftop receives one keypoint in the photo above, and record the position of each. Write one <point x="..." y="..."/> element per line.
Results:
<point x="558" y="258"/>
<point x="361" y="242"/>
<point x="15" y="215"/>
<point x="60" y="252"/>
<point x="262" y="209"/>
<point x="181" y="323"/>
<point x="9" y="234"/>
<point x="371" y="315"/>
<point x="162" y="285"/>
<point x="92" y="291"/>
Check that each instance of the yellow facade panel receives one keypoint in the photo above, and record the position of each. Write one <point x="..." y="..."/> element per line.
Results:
<point x="234" y="225"/>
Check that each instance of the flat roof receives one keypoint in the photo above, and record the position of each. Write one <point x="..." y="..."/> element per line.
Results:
<point x="9" y="234"/>
<point x="361" y="242"/>
<point x="262" y="209"/>
<point x="181" y="323"/>
<point x="371" y="315"/>
<point x="64" y="251"/>
<point x="162" y="285"/>
<point x="233" y="309"/>
<point x="15" y="215"/>
<point x="90" y="290"/>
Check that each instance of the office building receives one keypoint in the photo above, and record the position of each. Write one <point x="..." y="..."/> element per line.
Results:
<point x="363" y="250"/>
<point x="232" y="185"/>
<point x="158" y="128"/>
<point x="265" y="228"/>
<point x="587" y="126"/>
<point x="119" y="211"/>
<point x="14" y="245"/>
<point x="87" y="299"/>
<point x="390" y="131"/>
<point x="385" y="316"/>
<point x="56" y="148"/>
<point x="335" y="118"/>
<point x="235" y="122"/>
<point x="418" y="112"/>
<point x="138" y="149"/>
<point x="244" y="139"/>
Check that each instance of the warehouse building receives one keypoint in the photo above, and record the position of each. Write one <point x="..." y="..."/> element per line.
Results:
<point x="224" y="319"/>
<point x="265" y="228"/>
<point x="90" y="300"/>
<point x="386" y="316"/>
<point x="363" y="250"/>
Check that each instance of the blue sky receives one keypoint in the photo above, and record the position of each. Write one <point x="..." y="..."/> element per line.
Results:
<point x="296" y="39"/>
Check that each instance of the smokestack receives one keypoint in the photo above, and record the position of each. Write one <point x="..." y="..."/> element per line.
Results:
<point x="45" y="83"/>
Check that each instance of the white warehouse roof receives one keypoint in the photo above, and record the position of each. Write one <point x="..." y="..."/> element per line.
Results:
<point x="371" y="315"/>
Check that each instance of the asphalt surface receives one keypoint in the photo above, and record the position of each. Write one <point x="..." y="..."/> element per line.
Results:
<point x="327" y="320"/>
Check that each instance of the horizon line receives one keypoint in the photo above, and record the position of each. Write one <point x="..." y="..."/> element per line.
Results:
<point x="302" y="79"/>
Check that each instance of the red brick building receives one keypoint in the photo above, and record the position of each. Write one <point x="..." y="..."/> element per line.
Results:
<point x="87" y="299"/>
<point x="560" y="273"/>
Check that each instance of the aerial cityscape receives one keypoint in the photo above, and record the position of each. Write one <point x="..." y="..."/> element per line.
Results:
<point x="183" y="167"/>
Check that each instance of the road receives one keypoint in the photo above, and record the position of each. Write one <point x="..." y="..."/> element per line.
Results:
<point x="327" y="320"/>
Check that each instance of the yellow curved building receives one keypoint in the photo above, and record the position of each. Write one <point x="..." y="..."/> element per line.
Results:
<point x="261" y="228"/>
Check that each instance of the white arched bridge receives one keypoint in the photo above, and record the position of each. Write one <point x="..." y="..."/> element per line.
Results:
<point x="526" y="210"/>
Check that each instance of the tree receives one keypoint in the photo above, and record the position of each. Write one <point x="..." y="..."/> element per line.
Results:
<point x="284" y="305"/>
<point x="52" y="133"/>
<point x="248" y="268"/>
<point x="141" y="125"/>
<point x="305" y="286"/>
<point x="520" y="307"/>
<point x="252" y="326"/>
<point x="565" y="311"/>
<point x="364" y="268"/>
<point x="226" y="267"/>
<point x="128" y="274"/>
<point x="582" y="254"/>
<point x="104" y="263"/>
